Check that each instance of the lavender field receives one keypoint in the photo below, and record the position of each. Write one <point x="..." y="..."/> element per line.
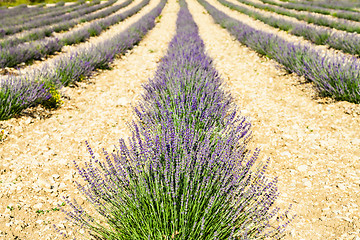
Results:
<point x="188" y="119"/>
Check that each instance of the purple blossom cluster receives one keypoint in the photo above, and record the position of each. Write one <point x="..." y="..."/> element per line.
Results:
<point x="77" y="65"/>
<point x="18" y="94"/>
<point x="335" y="75"/>
<point x="186" y="172"/>
<point x="345" y="41"/>
<point x="44" y="21"/>
<point x="35" y="50"/>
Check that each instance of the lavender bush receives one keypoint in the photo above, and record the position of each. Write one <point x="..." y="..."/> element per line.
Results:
<point x="80" y="63"/>
<point x="16" y="95"/>
<point x="319" y="36"/>
<point x="185" y="174"/>
<point x="335" y="75"/>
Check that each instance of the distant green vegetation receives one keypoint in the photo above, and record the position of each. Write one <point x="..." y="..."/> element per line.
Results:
<point x="12" y="3"/>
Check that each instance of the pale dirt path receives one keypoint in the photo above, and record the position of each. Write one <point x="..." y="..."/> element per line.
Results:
<point x="314" y="147"/>
<point x="36" y="161"/>
<point x="113" y="30"/>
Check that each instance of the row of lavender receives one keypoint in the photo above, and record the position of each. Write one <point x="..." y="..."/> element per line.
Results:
<point x="24" y="9"/>
<point x="14" y="55"/>
<point x="64" y="25"/>
<point x="340" y="24"/>
<point x="186" y="173"/>
<point x="350" y="15"/>
<point x="76" y="15"/>
<point x="49" y="12"/>
<point x="344" y="41"/>
<point x="41" y="86"/>
<point x="340" y="5"/>
<point x="336" y="76"/>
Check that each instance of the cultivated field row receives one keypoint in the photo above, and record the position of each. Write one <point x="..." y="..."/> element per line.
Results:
<point x="46" y="12"/>
<point x="24" y="10"/>
<point x="340" y="40"/>
<point x="185" y="119"/>
<point x="318" y="19"/>
<point x="316" y="65"/>
<point x="332" y="5"/>
<point x="39" y="49"/>
<point x="8" y="30"/>
<point x="52" y="25"/>
<point x="349" y="14"/>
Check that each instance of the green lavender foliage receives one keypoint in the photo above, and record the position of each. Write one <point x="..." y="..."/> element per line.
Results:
<point x="186" y="173"/>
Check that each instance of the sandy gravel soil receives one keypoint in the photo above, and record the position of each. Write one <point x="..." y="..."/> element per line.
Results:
<point x="314" y="146"/>
<point x="36" y="161"/>
<point x="314" y="143"/>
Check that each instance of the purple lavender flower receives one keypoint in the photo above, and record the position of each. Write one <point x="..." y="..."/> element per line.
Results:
<point x="334" y="75"/>
<point x="81" y="63"/>
<point x="186" y="173"/>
